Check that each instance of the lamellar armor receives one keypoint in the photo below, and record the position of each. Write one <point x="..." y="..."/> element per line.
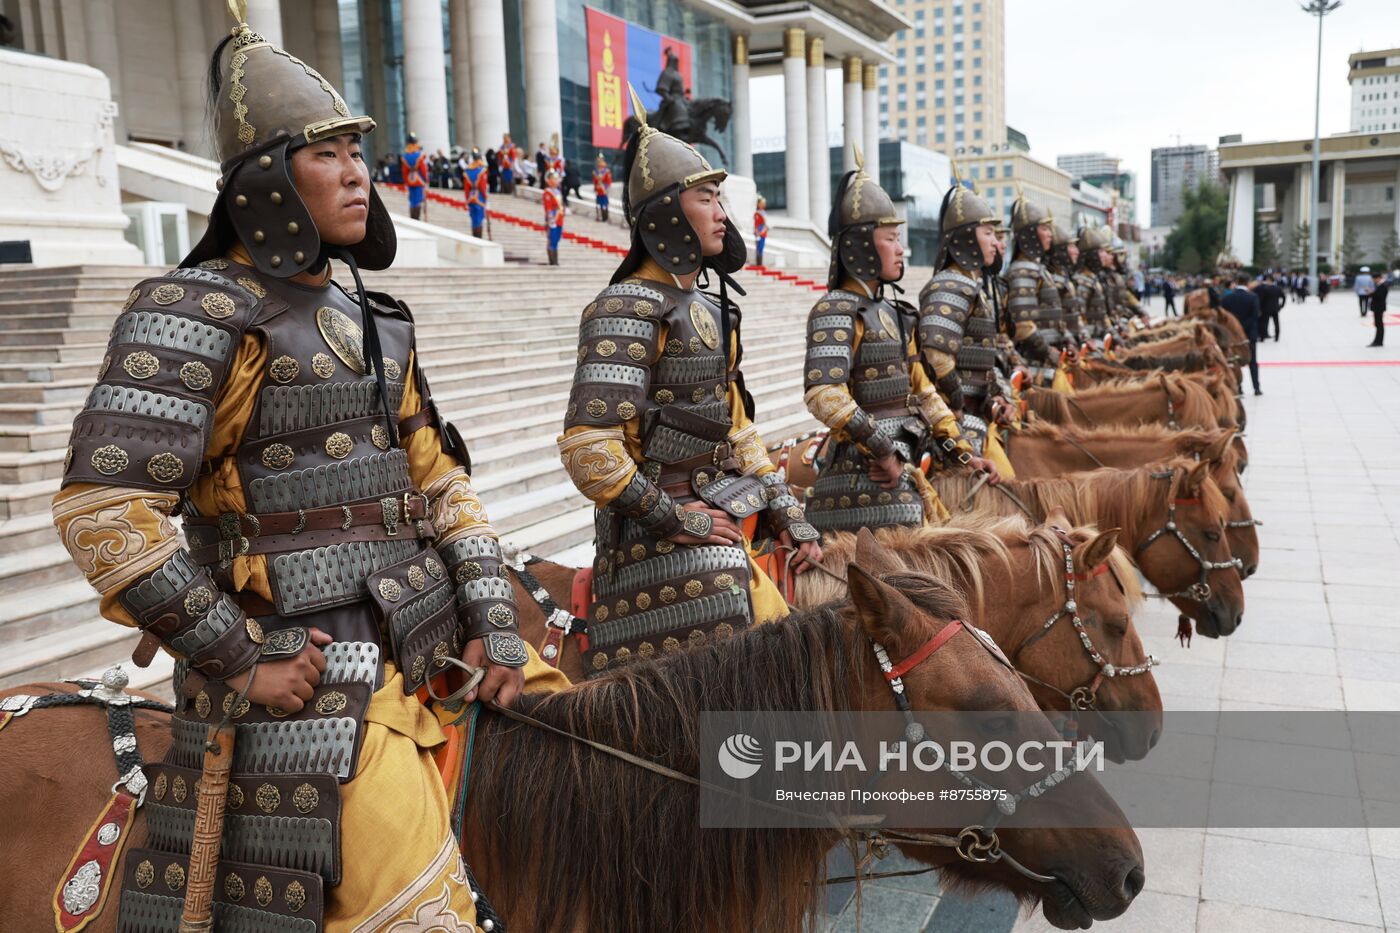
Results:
<point x="659" y="360"/>
<point x="858" y="376"/>
<point x="957" y="325"/>
<point x="1088" y="281"/>
<point x="1033" y="301"/>
<point x="1071" y="302"/>
<point x="347" y="538"/>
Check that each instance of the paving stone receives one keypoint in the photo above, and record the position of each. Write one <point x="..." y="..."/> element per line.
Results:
<point x="1334" y="885"/>
<point x="1218" y="917"/>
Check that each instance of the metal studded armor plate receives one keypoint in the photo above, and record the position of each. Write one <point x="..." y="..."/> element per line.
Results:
<point x="876" y="373"/>
<point x="650" y="594"/>
<point x="1093" y="303"/>
<point x="954" y="317"/>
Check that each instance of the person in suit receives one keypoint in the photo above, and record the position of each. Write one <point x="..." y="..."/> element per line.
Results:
<point x="1271" y="302"/>
<point x="1169" y="294"/>
<point x="1380" y="292"/>
<point x="1244" y="305"/>
<point x="1364" y="287"/>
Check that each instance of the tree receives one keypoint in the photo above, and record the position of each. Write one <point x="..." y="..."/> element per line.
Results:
<point x="1266" y="251"/>
<point x="1349" y="253"/>
<point x="1200" y="229"/>
<point x="1390" y="249"/>
<point x="1298" y="245"/>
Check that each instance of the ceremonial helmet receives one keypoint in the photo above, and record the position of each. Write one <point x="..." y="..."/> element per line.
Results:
<point x="1026" y="220"/>
<point x="268" y="103"/>
<point x="1059" y="250"/>
<point x="657" y="168"/>
<point x="859" y="206"/>
<point x="601" y="159"/>
<point x="962" y="211"/>
<point x="1091" y="240"/>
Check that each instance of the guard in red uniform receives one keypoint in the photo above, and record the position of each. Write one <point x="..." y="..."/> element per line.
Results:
<point x="553" y="215"/>
<point x="760" y="226"/>
<point x="414" y="165"/>
<point x="602" y="180"/>
<point x="476" y="184"/>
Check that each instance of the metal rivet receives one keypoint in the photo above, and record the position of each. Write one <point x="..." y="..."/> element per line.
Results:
<point x="675" y="260"/>
<point x="298" y="257"/>
<point x="276" y="197"/>
<point x="666" y="200"/>
<point x="675" y="220"/>
<point x="241" y="200"/>
<point x="687" y="238"/>
<point x="651" y="226"/>
<point x="293" y="228"/>
<point x="265" y="162"/>
<point x="661" y="247"/>
<point x="275" y="261"/>
<point x="259" y="236"/>
<point x="692" y="256"/>
<point x="219" y="185"/>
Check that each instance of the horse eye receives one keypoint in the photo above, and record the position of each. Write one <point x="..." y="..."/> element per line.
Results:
<point x="1229" y="495"/>
<point x="1212" y="536"/>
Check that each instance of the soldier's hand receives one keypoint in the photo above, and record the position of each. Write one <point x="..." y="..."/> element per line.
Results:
<point x="806" y="555"/>
<point x="1003" y="412"/>
<point x="288" y="683"/>
<point x="501" y="684"/>
<point x="1070" y="356"/>
<point x="724" y="530"/>
<point x="983" y="465"/>
<point x="886" y="472"/>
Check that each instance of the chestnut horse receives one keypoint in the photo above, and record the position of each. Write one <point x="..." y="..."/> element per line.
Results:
<point x="646" y="864"/>
<point x="1047" y="450"/>
<point x="1170" y="400"/>
<point x="536" y="797"/>
<point x="1172" y="519"/>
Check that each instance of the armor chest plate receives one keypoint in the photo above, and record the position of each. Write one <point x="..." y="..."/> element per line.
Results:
<point x="977" y="354"/>
<point x="692" y="375"/>
<point x="880" y="371"/>
<point x="317" y="438"/>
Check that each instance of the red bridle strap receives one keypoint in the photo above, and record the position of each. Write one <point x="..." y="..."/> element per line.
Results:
<point x="928" y="648"/>
<point x="1098" y="571"/>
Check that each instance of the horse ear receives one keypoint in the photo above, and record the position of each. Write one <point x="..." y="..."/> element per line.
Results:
<point x="1196" y="476"/>
<point x="1174" y="389"/>
<point x="1059" y="518"/>
<point x="884" y="612"/>
<point x="874" y="557"/>
<point x="1097" y="549"/>
<point x="1215" y="450"/>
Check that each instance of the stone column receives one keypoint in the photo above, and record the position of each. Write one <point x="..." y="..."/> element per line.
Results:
<point x="740" y="117"/>
<point x="265" y="18"/>
<point x="870" y="111"/>
<point x="1338" y="206"/>
<point x="191" y="63"/>
<point x="326" y="22"/>
<point x="74" y="35"/>
<point x="375" y="90"/>
<point x="461" y="75"/>
<point x="796" y="158"/>
<point x="543" y="112"/>
<point x="486" y="31"/>
<point x="853" y="120"/>
<point x="424" y="80"/>
<point x="105" y="55"/>
<point x="818" y="153"/>
<point x="1240" y="225"/>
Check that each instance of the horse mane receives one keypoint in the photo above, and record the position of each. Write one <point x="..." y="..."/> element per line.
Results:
<point x="1197" y="408"/>
<point x="1186" y="440"/>
<point x="1191" y="361"/>
<point x="624" y="845"/>
<point x="1052" y="406"/>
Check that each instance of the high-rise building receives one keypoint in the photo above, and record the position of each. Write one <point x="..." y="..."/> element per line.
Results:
<point x="947" y="89"/>
<point x="1375" y="90"/>
<point x="1106" y="172"/>
<point x="1176" y="169"/>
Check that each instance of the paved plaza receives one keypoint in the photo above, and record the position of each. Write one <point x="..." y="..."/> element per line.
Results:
<point x="1321" y="632"/>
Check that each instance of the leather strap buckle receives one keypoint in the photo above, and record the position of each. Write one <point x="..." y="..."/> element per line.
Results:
<point x="722" y="452"/>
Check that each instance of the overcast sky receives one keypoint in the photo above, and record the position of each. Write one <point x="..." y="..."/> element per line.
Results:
<point x="1124" y="76"/>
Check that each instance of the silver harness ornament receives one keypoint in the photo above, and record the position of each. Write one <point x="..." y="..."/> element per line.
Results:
<point x="1200" y="590"/>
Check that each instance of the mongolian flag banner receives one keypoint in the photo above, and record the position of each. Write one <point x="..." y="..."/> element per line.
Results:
<point x="620" y="52"/>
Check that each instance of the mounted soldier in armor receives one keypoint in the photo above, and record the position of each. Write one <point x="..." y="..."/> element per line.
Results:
<point x="1033" y="301"/>
<point x="957" y="324"/>
<point x="339" y="563"/>
<point x="863" y="378"/>
<point x="1064" y="256"/>
<point x="659" y="432"/>
<point x="1093" y="260"/>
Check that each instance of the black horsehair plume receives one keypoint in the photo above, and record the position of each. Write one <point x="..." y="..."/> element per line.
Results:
<point x="833" y="220"/>
<point x="215" y="78"/>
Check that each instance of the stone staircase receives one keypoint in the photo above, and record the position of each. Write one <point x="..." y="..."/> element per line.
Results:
<point x="498" y="345"/>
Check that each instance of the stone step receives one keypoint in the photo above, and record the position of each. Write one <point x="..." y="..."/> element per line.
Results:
<point x="25" y="438"/>
<point x="24" y="532"/>
<point x="41" y="566"/>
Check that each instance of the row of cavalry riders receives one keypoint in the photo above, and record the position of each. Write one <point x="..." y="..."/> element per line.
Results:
<point x="1022" y="459"/>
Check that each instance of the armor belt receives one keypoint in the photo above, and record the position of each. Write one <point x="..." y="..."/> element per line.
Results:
<point x="247" y="898"/>
<point x="845" y="499"/>
<point x="232" y="534"/>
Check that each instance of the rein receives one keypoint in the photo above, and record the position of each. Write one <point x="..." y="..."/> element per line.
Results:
<point x="1200" y="590"/>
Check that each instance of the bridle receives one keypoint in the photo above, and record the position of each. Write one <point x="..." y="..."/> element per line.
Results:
<point x="1084" y="697"/>
<point x="1200" y="590"/>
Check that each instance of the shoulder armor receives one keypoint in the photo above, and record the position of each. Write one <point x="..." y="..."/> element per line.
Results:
<point x="945" y="304"/>
<point x="147" y="421"/>
<point x="831" y="335"/>
<point x="617" y="345"/>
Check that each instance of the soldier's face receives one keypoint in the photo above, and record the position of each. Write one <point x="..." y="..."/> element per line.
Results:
<point x="1073" y="252"/>
<point x="1105" y="259"/>
<point x="705" y="212"/>
<point x="987" y="242"/>
<point x="1046" y="235"/>
<point x="891" y="253"/>
<point x="333" y="182"/>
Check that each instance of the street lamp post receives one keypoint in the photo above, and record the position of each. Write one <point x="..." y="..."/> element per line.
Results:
<point x="1318" y="8"/>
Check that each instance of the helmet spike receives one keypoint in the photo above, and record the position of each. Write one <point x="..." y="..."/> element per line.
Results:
<point x="638" y="110"/>
<point x="238" y="9"/>
<point x="860" y="159"/>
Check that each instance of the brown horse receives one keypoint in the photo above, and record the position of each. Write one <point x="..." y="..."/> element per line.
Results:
<point x="1168" y="399"/>
<point x="1019" y="563"/>
<point x="621" y="848"/>
<point x="1047" y="450"/>
<point x="650" y="865"/>
<point x="1024" y="566"/>
<point x="1216" y="378"/>
<point x="1172" y="519"/>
